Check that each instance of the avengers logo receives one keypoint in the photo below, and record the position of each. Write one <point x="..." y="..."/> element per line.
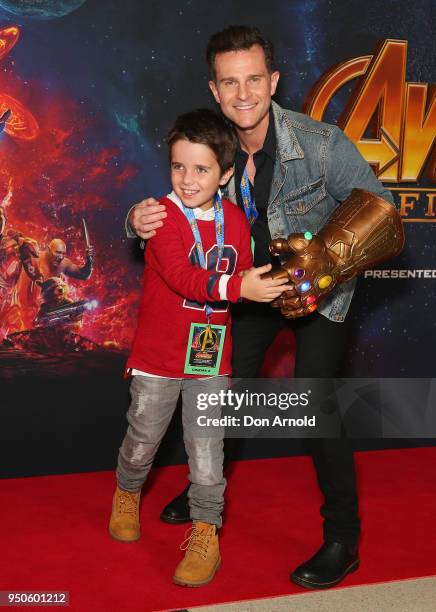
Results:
<point x="208" y="339"/>
<point x="392" y="122"/>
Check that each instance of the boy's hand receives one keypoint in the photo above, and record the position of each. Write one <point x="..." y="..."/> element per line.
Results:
<point x="253" y="287"/>
<point x="146" y="217"/>
<point x="242" y="273"/>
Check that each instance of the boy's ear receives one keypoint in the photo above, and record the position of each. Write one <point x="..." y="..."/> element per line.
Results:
<point x="227" y="176"/>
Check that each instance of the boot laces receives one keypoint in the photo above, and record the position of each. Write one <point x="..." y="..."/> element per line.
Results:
<point x="127" y="503"/>
<point x="197" y="540"/>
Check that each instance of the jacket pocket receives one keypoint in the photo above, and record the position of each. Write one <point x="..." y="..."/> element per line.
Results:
<point x="301" y="201"/>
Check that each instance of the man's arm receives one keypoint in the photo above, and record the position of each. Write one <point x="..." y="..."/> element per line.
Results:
<point x="346" y="169"/>
<point x="364" y="230"/>
<point x="129" y="229"/>
<point x="80" y="272"/>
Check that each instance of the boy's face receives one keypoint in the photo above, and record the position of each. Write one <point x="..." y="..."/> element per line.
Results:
<point x="196" y="174"/>
<point x="243" y="86"/>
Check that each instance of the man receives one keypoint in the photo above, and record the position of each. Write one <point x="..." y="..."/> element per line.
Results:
<point x="299" y="171"/>
<point x="54" y="261"/>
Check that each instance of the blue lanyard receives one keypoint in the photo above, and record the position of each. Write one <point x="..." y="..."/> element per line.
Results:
<point x="219" y="230"/>
<point x="248" y="202"/>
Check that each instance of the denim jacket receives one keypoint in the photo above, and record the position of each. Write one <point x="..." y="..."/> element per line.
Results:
<point x="316" y="168"/>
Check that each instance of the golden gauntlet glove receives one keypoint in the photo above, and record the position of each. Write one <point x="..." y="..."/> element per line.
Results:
<point x="363" y="231"/>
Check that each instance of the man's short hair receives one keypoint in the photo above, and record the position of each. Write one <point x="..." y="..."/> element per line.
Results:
<point x="238" y="38"/>
<point x="205" y="126"/>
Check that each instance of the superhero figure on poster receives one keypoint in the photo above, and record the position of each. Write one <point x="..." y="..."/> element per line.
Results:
<point x="54" y="292"/>
<point x="54" y="261"/>
<point x="56" y="307"/>
<point x="17" y="253"/>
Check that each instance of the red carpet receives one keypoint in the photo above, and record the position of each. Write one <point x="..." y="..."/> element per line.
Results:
<point x="54" y="532"/>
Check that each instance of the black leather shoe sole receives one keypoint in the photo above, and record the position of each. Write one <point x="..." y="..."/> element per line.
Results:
<point x="309" y="584"/>
<point x="174" y="520"/>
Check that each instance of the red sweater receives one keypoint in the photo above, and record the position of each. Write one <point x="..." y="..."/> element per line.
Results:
<point x="175" y="289"/>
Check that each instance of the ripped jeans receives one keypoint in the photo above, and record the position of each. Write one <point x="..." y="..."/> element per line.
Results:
<point x="153" y="403"/>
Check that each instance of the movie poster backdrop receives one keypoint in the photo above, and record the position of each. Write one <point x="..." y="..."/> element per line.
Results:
<point x="88" y="90"/>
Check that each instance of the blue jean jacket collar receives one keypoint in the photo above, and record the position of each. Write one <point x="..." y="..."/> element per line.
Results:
<point x="288" y="147"/>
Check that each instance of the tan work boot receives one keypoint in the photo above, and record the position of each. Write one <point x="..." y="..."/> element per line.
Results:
<point x="202" y="557"/>
<point x="124" y="523"/>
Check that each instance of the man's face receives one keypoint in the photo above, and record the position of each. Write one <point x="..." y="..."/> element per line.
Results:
<point x="243" y="86"/>
<point x="58" y="250"/>
<point x="196" y="174"/>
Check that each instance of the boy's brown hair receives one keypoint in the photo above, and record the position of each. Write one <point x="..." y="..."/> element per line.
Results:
<point x="204" y="126"/>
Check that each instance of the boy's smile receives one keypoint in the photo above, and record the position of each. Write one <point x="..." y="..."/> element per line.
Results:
<point x="196" y="174"/>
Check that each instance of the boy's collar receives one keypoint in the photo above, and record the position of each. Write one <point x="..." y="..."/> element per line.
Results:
<point x="204" y="215"/>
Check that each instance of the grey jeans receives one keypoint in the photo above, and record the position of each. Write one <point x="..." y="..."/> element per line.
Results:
<point x="152" y="406"/>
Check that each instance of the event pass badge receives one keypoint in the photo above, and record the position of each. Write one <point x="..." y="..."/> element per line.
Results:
<point x="205" y="349"/>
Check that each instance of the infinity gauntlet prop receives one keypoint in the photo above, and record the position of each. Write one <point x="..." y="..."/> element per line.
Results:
<point x="363" y="231"/>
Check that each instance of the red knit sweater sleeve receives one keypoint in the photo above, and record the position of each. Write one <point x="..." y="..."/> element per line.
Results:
<point x="166" y="254"/>
<point x="245" y="258"/>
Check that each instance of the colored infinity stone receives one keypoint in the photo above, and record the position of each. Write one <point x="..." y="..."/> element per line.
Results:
<point x="312" y="307"/>
<point x="325" y="281"/>
<point x="308" y="235"/>
<point x="304" y="287"/>
<point x="311" y="299"/>
<point x="299" y="273"/>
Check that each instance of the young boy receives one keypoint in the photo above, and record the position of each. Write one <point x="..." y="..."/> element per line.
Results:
<point x="198" y="261"/>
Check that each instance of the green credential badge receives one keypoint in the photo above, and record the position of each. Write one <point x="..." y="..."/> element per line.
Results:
<point x="205" y="349"/>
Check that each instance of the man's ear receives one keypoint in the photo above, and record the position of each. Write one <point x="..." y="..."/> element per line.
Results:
<point x="227" y="176"/>
<point x="274" y="81"/>
<point x="214" y="90"/>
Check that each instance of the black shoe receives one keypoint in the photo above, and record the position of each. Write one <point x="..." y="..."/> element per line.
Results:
<point x="327" y="567"/>
<point x="177" y="511"/>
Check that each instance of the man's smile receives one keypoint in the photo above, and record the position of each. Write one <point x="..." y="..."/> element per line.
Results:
<point x="245" y="107"/>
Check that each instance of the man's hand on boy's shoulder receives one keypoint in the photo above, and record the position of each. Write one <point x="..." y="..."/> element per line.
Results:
<point x="145" y="217"/>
